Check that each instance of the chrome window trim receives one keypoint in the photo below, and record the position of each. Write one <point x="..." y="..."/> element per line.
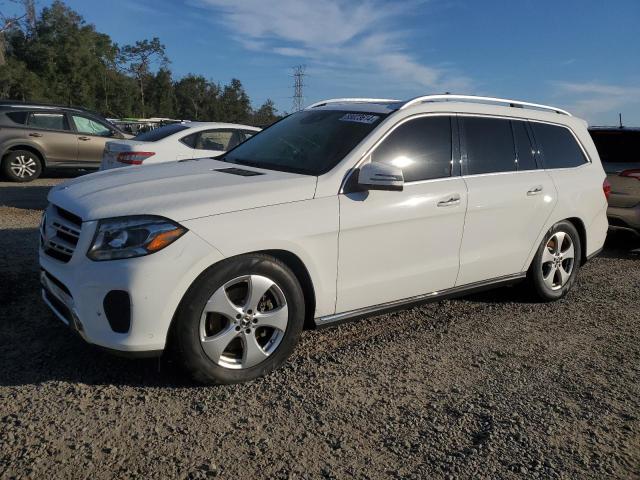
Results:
<point x="466" y="114"/>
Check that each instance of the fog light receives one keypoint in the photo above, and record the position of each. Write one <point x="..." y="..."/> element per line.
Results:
<point x="117" y="308"/>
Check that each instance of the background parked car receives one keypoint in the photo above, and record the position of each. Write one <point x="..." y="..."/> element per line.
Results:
<point x="619" y="149"/>
<point x="178" y="141"/>
<point x="34" y="136"/>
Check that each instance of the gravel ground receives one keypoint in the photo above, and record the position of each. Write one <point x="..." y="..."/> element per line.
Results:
<point x="488" y="386"/>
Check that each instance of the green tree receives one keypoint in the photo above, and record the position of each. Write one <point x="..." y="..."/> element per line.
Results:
<point x="235" y="104"/>
<point x="191" y="94"/>
<point x="140" y="58"/>
<point x="161" y="94"/>
<point x="266" y="114"/>
<point x="55" y="56"/>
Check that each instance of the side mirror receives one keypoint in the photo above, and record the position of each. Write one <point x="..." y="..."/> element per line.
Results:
<point x="380" y="176"/>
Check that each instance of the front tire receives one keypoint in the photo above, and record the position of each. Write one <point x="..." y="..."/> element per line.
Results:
<point x="21" y="166"/>
<point x="240" y="320"/>
<point x="554" y="268"/>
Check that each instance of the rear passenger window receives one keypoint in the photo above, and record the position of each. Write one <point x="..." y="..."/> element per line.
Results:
<point x="489" y="144"/>
<point x="558" y="145"/>
<point x="216" y="140"/>
<point x="421" y="148"/>
<point x="48" y="121"/>
<point x="524" y="148"/>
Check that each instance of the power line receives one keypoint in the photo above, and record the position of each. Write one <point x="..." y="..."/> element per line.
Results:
<point x="298" y="84"/>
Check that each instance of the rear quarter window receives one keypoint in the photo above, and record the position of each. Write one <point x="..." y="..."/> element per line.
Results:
<point x="617" y="146"/>
<point x="17" y="118"/>
<point x="161" y="132"/>
<point x="559" y="147"/>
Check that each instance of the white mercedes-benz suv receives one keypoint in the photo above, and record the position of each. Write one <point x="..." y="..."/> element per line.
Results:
<point x="348" y="208"/>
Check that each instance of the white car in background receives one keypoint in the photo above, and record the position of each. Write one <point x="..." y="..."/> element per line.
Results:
<point x="177" y="141"/>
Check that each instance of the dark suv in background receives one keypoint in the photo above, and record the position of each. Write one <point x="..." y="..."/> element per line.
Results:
<point x="35" y="136"/>
<point x="619" y="149"/>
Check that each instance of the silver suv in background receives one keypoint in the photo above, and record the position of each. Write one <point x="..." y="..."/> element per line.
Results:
<point x="618" y="148"/>
<point x="34" y="136"/>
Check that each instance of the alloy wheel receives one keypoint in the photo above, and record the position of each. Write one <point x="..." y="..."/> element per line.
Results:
<point x="558" y="260"/>
<point x="23" y="166"/>
<point x="243" y="322"/>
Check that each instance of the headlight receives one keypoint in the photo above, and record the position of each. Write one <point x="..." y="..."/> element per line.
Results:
<point x="129" y="237"/>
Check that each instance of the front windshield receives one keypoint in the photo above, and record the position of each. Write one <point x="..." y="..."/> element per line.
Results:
<point x="308" y="142"/>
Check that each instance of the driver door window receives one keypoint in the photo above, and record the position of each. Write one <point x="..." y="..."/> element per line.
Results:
<point x="421" y="148"/>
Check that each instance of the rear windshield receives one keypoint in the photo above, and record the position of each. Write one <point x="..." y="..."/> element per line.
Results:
<point x="308" y="142"/>
<point x="617" y="146"/>
<point x="161" y="132"/>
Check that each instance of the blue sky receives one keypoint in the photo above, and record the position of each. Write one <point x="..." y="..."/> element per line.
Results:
<point x="583" y="55"/>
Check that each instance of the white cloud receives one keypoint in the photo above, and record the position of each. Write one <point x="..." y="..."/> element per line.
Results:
<point x="354" y="36"/>
<point x="592" y="100"/>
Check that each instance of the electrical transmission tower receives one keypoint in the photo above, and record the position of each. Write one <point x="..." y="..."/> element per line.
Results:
<point x="298" y="83"/>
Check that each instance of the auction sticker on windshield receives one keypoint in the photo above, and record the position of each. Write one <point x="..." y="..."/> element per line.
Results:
<point x="359" y="118"/>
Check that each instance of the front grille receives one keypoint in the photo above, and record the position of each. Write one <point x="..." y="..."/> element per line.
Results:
<point x="60" y="232"/>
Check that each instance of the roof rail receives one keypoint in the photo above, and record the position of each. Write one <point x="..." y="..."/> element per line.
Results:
<point x="351" y="100"/>
<point x="473" y="98"/>
<point x="21" y="104"/>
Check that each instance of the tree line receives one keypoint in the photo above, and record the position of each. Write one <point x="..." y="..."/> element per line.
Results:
<point x="56" y="57"/>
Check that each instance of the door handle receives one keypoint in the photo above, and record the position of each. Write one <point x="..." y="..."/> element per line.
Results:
<point x="535" y="190"/>
<point x="84" y="139"/>
<point x="450" y="200"/>
<point x="34" y="134"/>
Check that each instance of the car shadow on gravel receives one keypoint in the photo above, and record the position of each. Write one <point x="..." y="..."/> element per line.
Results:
<point x="26" y="198"/>
<point x="32" y="196"/>
<point x="36" y="347"/>
<point x="622" y="245"/>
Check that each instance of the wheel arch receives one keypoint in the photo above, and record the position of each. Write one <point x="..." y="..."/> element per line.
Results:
<point x="582" y="231"/>
<point x="28" y="147"/>
<point x="287" y="257"/>
<point x="301" y="272"/>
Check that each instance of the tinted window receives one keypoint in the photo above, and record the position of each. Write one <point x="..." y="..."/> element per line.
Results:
<point x="49" y="121"/>
<point x="190" y="140"/>
<point x="160" y="132"/>
<point x="617" y="146"/>
<point x="524" y="148"/>
<point x="91" y="127"/>
<point x="558" y="145"/>
<point x="215" y="140"/>
<point x="489" y="144"/>
<point x="421" y="148"/>
<point x="248" y="134"/>
<point x="17" y="117"/>
<point x="310" y="142"/>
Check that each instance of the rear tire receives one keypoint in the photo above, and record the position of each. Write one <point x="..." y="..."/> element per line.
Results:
<point x="240" y="320"/>
<point x="554" y="268"/>
<point x="21" y="166"/>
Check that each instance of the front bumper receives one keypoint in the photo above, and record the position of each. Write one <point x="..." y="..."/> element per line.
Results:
<point x="75" y="290"/>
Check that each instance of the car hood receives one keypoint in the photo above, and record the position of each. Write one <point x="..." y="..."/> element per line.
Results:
<point x="179" y="190"/>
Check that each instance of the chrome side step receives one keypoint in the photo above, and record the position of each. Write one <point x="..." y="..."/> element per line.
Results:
<point x="418" y="299"/>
